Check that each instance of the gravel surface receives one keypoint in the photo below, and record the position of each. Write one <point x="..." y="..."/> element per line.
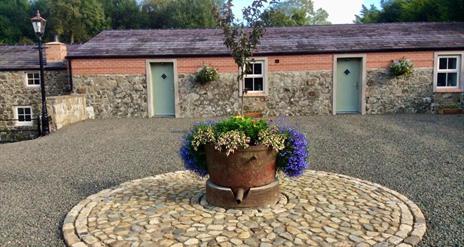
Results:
<point x="421" y="156"/>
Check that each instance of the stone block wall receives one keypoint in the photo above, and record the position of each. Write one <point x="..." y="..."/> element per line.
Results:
<point x="14" y="92"/>
<point x="444" y="99"/>
<point x="19" y="134"/>
<point x="290" y="94"/>
<point x="300" y="93"/>
<point x="386" y="93"/>
<point x="114" y="95"/>
<point x="217" y="98"/>
<point x="66" y="110"/>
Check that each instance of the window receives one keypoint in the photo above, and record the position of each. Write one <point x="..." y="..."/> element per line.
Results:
<point x="23" y="116"/>
<point x="33" y="79"/>
<point x="448" y="71"/>
<point x="254" y="77"/>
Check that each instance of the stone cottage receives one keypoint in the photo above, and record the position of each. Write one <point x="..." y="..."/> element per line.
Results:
<point x="20" y="98"/>
<point x="296" y="71"/>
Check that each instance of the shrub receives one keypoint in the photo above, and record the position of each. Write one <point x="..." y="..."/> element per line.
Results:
<point x="240" y="132"/>
<point x="402" y="67"/>
<point x="206" y="74"/>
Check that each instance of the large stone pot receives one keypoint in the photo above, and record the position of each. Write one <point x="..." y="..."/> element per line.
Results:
<point x="245" y="178"/>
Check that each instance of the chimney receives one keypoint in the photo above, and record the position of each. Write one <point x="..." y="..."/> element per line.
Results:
<point x="55" y="51"/>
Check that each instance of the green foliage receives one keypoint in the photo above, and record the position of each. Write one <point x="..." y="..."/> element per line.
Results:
<point x="15" y="23"/>
<point x="249" y="126"/>
<point x="230" y="141"/>
<point x="122" y="14"/>
<point x="413" y="10"/>
<point x="368" y="15"/>
<point x="206" y="74"/>
<point x="79" y="20"/>
<point x="179" y="13"/>
<point x="402" y="67"/>
<point x="202" y="134"/>
<point x="236" y="133"/>
<point x="76" y="20"/>
<point x="294" y="13"/>
<point x="242" y="38"/>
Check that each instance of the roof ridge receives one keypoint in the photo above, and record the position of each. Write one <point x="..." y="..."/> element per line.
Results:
<point x="290" y="27"/>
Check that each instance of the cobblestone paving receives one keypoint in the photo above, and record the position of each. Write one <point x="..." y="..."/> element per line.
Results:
<point x="317" y="209"/>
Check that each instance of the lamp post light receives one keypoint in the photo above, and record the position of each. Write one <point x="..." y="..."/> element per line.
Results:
<point x="38" y="23"/>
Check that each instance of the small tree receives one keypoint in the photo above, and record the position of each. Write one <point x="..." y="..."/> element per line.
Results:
<point x="242" y="38"/>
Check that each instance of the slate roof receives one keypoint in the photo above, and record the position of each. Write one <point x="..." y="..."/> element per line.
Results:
<point x="25" y="57"/>
<point x="287" y="40"/>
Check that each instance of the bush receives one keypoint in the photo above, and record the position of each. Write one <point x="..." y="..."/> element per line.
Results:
<point x="206" y="74"/>
<point x="240" y="132"/>
<point x="402" y="67"/>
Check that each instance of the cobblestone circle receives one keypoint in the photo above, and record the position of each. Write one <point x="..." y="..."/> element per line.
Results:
<point x="316" y="209"/>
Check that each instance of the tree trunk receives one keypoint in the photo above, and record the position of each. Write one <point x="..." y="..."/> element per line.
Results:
<point x="240" y="81"/>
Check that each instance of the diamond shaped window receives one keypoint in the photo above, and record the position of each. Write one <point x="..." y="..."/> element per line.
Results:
<point x="164" y="76"/>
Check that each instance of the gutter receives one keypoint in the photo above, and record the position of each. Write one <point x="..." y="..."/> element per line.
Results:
<point x="31" y="68"/>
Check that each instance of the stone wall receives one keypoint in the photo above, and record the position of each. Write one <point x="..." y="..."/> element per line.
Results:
<point x="290" y="93"/>
<point x="19" y="134"/>
<point x="114" y="95"/>
<point x="13" y="92"/>
<point x="444" y="99"/>
<point x="217" y="98"/>
<point x="300" y="93"/>
<point x="404" y="94"/>
<point x="65" y="110"/>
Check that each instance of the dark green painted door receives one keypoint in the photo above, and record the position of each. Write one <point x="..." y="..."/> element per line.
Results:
<point x="163" y="89"/>
<point x="348" y="85"/>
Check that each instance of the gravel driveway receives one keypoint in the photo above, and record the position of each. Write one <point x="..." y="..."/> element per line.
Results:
<point x="421" y="156"/>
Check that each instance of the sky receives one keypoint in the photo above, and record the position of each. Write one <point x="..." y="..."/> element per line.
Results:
<point x="340" y="11"/>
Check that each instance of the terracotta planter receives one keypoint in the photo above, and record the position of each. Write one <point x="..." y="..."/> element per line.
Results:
<point x="255" y="114"/>
<point x="245" y="178"/>
<point x="450" y="111"/>
<point x="251" y="167"/>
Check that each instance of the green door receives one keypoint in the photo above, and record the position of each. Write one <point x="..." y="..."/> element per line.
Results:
<point x="348" y="85"/>
<point x="162" y="75"/>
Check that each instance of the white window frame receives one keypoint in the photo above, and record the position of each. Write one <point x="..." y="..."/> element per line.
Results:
<point x="26" y="79"/>
<point x="23" y="123"/>
<point x="459" y="70"/>
<point x="263" y="74"/>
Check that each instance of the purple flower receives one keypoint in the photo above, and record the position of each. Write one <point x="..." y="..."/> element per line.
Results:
<point x="194" y="160"/>
<point x="293" y="160"/>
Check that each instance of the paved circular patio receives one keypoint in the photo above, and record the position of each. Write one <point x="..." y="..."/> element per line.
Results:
<point x="317" y="209"/>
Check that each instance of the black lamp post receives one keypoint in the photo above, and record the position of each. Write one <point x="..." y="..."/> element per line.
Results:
<point x="39" y="28"/>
